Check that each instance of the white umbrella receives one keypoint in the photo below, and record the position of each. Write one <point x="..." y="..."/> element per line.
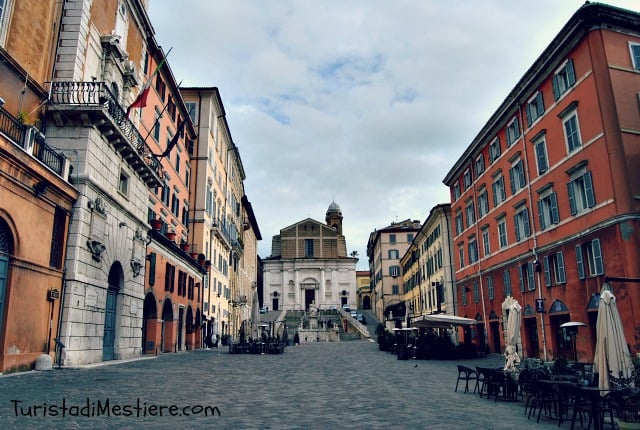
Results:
<point x="255" y="317"/>
<point x="612" y="358"/>
<point x="513" y="323"/>
<point x="513" y="332"/>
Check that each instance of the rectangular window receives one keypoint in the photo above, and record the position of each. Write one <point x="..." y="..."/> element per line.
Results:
<point x="506" y="278"/>
<point x="175" y="205"/>
<point x="191" y="108"/>
<point x="392" y="238"/>
<point x="459" y="224"/>
<point x="593" y="257"/>
<point x="516" y="176"/>
<point x="526" y="277"/>
<point x="394" y="254"/>
<point x="513" y="131"/>
<point x="308" y="248"/>
<point x="470" y="213"/>
<point x="57" y="238"/>
<point x="564" y="79"/>
<point x="554" y="273"/>
<point x="395" y="289"/>
<point x="472" y="248"/>
<point x="502" y="233"/>
<point x="185" y="216"/>
<point x="463" y="293"/>
<point x="467" y="178"/>
<point x="635" y="55"/>
<point x="486" y="245"/>
<point x="456" y="191"/>
<point x="541" y="156"/>
<point x="494" y="150"/>
<point x="461" y="255"/>
<point x="479" y="165"/>
<point x="572" y="132"/>
<point x="490" y="290"/>
<point x="123" y="183"/>
<point x="394" y="271"/>
<point x="535" y="108"/>
<point x="499" y="193"/>
<point x="483" y="203"/>
<point x="177" y="162"/>
<point x="521" y="223"/>
<point x="580" y="190"/>
<point x="476" y="292"/>
<point x="548" y="210"/>
<point x="156" y="126"/>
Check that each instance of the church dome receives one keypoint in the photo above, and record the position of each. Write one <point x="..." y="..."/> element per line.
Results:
<point x="334" y="208"/>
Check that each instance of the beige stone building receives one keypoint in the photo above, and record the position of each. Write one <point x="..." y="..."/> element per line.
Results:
<point x="427" y="273"/>
<point x="363" y="280"/>
<point x="384" y="249"/>
<point x="221" y="216"/>
<point x="309" y="265"/>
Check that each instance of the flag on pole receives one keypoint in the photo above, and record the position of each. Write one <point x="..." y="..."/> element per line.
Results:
<point x="175" y="139"/>
<point x="141" y="100"/>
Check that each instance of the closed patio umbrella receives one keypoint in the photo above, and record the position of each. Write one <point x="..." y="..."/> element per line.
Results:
<point x="255" y="317"/>
<point x="513" y="324"/>
<point x="612" y="358"/>
<point x="513" y="332"/>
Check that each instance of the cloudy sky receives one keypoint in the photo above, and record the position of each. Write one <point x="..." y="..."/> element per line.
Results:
<point x="365" y="102"/>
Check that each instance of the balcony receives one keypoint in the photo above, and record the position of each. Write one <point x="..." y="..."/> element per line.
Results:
<point x="32" y="141"/>
<point x="86" y="104"/>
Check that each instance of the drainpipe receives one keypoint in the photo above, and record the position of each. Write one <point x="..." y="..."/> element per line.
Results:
<point x="534" y="232"/>
<point x="477" y="228"/>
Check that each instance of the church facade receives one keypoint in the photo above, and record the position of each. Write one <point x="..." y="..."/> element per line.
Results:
<point x="309" y="266"/>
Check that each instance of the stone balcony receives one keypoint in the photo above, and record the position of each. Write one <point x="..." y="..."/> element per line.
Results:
<point x="86" y="104"/>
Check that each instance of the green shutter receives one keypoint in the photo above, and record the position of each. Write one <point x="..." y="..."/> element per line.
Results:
<point x="541" y="214"/>
<point x="562" y="276"/>
<point x="555" y="215"/>
<point x="556" y="90"/>
<point x="572" y="198"/>
<point x="571" y="74"/>
<point x="597" y="257"/>
<point x="588" y="190"/>
<point x="547" y="271"/>
<point x="531" y="275"/>
<point x="579" y="262"/>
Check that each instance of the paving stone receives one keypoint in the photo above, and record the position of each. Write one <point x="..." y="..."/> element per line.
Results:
<point x="311" y="386"/>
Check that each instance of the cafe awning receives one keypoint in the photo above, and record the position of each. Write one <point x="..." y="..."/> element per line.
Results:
<point x="440" y="321"/>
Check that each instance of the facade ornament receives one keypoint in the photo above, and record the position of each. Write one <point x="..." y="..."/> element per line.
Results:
<point x="136" y="266"/>
<point x="97" y="248"/>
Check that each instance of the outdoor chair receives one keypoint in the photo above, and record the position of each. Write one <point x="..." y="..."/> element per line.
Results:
<point x="482" y="381"/>
<point x="465" y="374"/>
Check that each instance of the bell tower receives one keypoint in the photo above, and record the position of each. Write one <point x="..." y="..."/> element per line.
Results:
<point x="334" y="217"/>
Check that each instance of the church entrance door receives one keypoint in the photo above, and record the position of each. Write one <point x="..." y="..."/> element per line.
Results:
<point x="309" y="297"/>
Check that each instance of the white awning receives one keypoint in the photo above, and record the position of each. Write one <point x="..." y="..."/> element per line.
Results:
<point x="440" y="321"/>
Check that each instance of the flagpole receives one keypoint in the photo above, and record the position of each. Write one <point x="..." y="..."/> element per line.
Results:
<point x="158" y="118"/>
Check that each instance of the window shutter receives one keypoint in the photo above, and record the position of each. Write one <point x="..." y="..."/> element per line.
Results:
<point x="516" y="131"/>
<point x="521" y="277"/>
<point x="588" y="190"/>
<point x="556" y="90"/>
<point x="531" y="273"/>
<point x="525" y="221"/>
<point x="597" y="257"/>
<point x="152" y="268"/>
<point x="495" y="194"/>
<point x="547" y="274"/>
<point x="579" y="262"/>
<point x="542" y="160"/>
<point x="540" y="104"/>
<point x="515" y="224"/>
<point x="506" y="275"/>
<point x="553" y="206"/>
<point x="520" y="171"/>
<point x="572" y="198"/>
<point x="541" y="215"/>
<point x="512" y="180"/>
<point x="571" y="74"/>
<point x="562" y="277"/>
<point x="528" y="112"/>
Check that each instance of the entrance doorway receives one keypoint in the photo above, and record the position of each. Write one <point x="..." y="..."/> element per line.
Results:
<point x="180" y="327"/>
<point x="366" y="302"/>
<point x="149" y="317"/>
<point x="309" y="297"/>
<point x="166" y="339"/>
<point x="116" y="279"/>
<point x="6" y="249"/>
<point x="531" y="330"/>
<point x="495" y="336"/>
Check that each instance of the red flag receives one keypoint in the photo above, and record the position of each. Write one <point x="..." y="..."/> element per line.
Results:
<point x="141" y="100"/>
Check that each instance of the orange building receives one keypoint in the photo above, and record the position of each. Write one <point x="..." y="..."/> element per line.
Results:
<point x="545" y="199"/>
<point x="35" y="195"/>
<point x="172" y="315"/>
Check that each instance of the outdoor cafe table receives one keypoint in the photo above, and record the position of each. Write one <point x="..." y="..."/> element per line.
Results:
<point x="597" y="404"/>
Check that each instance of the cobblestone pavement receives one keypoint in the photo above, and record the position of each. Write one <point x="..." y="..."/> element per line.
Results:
<point x="313" y="386"/>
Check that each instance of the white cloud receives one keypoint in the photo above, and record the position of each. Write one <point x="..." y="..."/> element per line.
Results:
<point x="365" y="102"/>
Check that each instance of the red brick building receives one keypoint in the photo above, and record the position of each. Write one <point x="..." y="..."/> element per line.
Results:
<point x="546" y="198"/>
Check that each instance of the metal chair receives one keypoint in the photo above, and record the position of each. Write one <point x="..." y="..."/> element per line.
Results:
<point x="465" y="374"/>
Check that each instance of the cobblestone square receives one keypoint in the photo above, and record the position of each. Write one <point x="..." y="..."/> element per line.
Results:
<point x="313" y="386"/>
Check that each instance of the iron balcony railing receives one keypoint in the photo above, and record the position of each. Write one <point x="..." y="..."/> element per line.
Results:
<point x="98" y="94"/>
<point x="31" y="140"/>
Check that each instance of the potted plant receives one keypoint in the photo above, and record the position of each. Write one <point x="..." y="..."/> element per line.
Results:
<point x="184" y="246"/>
<point x="156" y="224"/>
<point x="626" y="404"/>
<point x="171" y="235"/>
